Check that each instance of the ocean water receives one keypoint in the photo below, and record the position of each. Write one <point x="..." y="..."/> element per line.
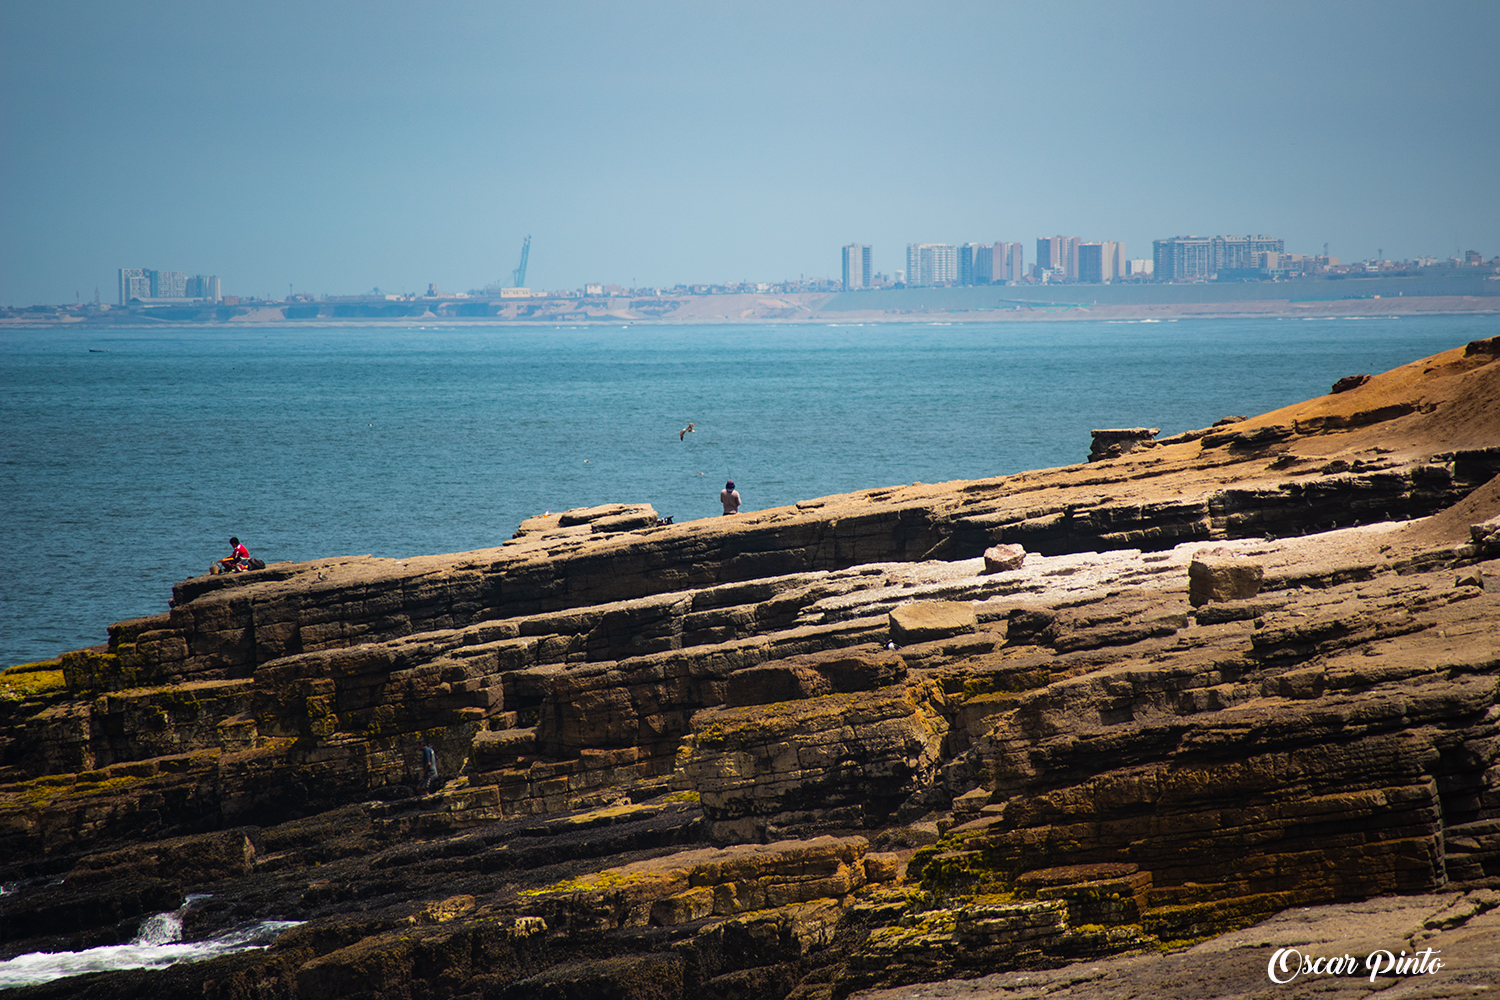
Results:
<point x="128" y="457"/>
<point x="157" y="945"/>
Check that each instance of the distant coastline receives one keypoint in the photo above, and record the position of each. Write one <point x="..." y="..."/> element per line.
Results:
<point x="1476" y="292"/>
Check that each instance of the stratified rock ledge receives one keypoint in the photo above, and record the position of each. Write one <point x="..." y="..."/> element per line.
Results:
<point x="1091" y="718"/>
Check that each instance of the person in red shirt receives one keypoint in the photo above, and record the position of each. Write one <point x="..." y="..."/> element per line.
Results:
<point x="237" y="560"/>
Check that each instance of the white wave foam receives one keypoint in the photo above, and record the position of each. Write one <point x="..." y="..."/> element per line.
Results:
<point x="157" y="945"/>
<point x="163" y="928"/>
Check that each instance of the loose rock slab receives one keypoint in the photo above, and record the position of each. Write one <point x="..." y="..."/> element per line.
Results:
<point x="929" y="620"/>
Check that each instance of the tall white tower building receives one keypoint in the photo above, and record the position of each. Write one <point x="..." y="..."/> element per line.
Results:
<point x="856" y="266"/>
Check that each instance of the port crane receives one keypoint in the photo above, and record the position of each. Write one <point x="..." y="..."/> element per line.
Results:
<point x="519" y="274"/>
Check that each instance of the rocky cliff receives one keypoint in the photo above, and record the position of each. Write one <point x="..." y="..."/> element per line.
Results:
<point x="914" y="733"/>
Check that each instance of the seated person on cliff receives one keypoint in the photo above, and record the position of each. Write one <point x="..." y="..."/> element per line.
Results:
<point x="237" y="561"/>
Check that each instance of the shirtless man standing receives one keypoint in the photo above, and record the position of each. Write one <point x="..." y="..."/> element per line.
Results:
<point x="730" y="498"/>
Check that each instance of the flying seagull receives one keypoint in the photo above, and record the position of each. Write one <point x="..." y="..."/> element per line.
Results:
<point x="682" y="434"/>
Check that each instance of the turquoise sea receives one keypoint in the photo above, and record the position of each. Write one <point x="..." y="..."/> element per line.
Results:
<point x="128" y="457"/>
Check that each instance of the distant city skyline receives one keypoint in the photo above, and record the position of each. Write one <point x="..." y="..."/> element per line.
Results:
<point x="1060" y="259"/>
<point x="339" y="147"/>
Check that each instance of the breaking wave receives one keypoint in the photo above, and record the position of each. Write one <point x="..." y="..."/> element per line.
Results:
<point x="157" y="945"/>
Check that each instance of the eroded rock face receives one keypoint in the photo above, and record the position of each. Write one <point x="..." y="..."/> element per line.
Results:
<point x="1486" y="537"/>
<point x="838" y="761"/>
<point x="690" y="885"/>
<point x="1325" y="464"/>
<point x="1116" y="441"/>
<point x="1121" y="773"/>
<point x="667" y="750"/>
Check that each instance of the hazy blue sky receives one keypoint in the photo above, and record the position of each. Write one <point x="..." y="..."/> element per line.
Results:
<point x="340" y="146"/>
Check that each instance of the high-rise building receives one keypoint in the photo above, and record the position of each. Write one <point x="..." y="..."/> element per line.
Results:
<point x="1183" y="258"/>
<point x="968" y="258"/>
<point x="1010" y="262"/>
<point x="1091" y="263"/>
<point x="1199" y="258"/>
<point x="998" y="264"/>
<point x="1048" y="252"/>
<point x="146" y="284"/>
<point x="1058" y="253"/>
<point x="135" y="283"/>
<point x="931" y="264"/>
<point x="856" y="266"/>
<point x="1240" y="251"/>
<point x="1101" y="262"/>
<point x="984" y="264"/>
<point x="168" y="284"/>
<point x="944" y="264"/>
<point x="202" y="286"/>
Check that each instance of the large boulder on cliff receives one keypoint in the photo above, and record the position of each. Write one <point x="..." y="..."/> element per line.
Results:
<point x="1001" y="558"/>
<point x="1220" y="575"/>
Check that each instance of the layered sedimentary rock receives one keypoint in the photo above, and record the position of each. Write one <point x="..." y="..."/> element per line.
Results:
<point x="811" y="750"/>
